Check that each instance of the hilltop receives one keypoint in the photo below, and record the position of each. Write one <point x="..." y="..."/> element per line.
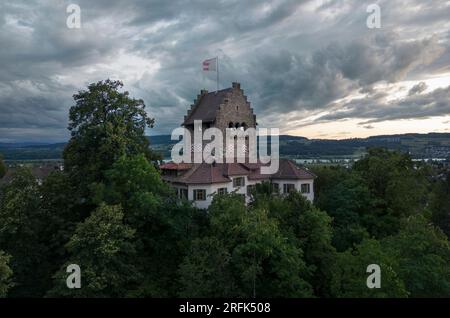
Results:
<point x="420" y="146"/>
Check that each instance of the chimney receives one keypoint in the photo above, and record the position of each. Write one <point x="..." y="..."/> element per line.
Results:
<point x="203" y="92"/>
<point x="236" y="85"/>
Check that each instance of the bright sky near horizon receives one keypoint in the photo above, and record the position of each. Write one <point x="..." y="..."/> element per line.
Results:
<point x="309" y="67"/>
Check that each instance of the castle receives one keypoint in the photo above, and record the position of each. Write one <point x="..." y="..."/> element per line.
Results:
<point x="198" y="182"/>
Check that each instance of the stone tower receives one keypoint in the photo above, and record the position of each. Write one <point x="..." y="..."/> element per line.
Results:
<point x="226" y="108"/>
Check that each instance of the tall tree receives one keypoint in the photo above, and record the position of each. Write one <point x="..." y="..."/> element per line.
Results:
<point x="163" y="224"/>
<point x="249" y="249"/>
<point x="310" y="230"/>
<point x="398" y="189"/>
<point x="5" y="274"/>
<point x="423" y="254"/>
<point x="206" y="270"/>
<point x="103" y="246"/>
<point x="440" y="204"/>
<point x="105" y="124"/>
<point x="21" y="224"/>
<point x="2" y="167"/>
<point x="350" y="277"/>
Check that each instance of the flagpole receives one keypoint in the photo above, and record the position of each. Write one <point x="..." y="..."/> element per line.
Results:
<point x="217" y="59"/>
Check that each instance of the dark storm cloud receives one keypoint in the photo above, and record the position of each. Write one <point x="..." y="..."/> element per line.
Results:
<point x="418" y="88"/>
<point x="435" y="103"/>
<point x="292" y="57"/>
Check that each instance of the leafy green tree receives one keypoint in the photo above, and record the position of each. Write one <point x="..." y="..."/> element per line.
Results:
<point x="246" y="245"/>
<point x="267" y="264"/>
<point x="103" y="246"/>
<point x="320" y="255"/>
<point x="207" y="270"/>
<point x="135" y="184"/>
<point x="5" y="274"/>
<point x="423" y="254"/>
<point x="350" y="277"/>
<point x="310" y="230"/>
<point x="21" y="224"/>
<point x="164" y="225"/>
<point x="105" y="125"/>
<point x="440" y="204"/>
<point x="398" y="189"/>
<point x="2" y="167"/>
<point x="347" y="202"/>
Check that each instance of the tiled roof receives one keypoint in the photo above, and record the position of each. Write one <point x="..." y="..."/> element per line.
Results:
<point x="176" y="166"/>
<point x="221" y="172"/>
<point x="289" y="170"/>
<point x="204" y="174"/>
<point x="206" y="106"/>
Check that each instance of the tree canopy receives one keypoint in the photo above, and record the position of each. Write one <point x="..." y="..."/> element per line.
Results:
<point x="110" y="212"/>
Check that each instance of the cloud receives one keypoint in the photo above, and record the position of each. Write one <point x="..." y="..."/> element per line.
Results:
<point x="435" y="103"/>
<point x="418" y="88"/>
<point x="294" y="58"/>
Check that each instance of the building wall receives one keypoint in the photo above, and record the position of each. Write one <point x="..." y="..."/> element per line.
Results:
<point x="235" y="109"/>
<point x="298" y="183"/>
<point x="212" y="188"/>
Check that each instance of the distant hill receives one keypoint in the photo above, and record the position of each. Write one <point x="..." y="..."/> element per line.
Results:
<point x="432" y="145"/>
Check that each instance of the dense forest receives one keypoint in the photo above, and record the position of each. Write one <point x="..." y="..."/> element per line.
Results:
<point x="110" y="212"/>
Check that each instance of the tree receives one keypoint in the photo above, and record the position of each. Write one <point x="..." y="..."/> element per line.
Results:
<point x="21" y="224"/>
<point x="5" y="274"/>
<point x="103" y="246"/>
<point x="348" y="202"/>
<point x="105" y="125"/>
<point x="423" y="254"/>
<point x="164" y="225"/>
<point x="2" y="167"/>
<point x="350" y="276"/>
<point x="320" y="255"/>
<point x="397" y="187"/>
<point x="310" y="230"/>
<point x="246" y="245"/>
<point x="266" y="263"/>
<point x="440" y="204"/>
<point x="206" y="270"/>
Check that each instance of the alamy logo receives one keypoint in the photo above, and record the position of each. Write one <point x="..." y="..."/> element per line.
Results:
<point x="374" y="19"/>
<point x="74" y="279"/>
<point x="374" y="279"/>
<point x="74" y="19"/>
<point x="240" y="146"/>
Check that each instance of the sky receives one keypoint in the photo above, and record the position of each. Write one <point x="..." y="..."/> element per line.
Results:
<point x="310" y="68"/>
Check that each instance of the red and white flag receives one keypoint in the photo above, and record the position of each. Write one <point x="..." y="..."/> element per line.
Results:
<point x="210" y="65"/>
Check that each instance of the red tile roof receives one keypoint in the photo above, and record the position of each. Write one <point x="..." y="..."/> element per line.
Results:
<point x="176" y="166"/>
<point x="289" y="170"/>
<point x="221" y="172"/>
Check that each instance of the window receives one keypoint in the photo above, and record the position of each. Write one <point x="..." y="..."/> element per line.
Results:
<point x="222" y="191"/>
<point x="305" y="188"/>
<point x="288" y="187"/>
<point x="183" y="193"/>
<point x="275" y="188"/>
<point x="238" y="182"/>
<point x="200" y="195"/>
<point x="251" y="189"/>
